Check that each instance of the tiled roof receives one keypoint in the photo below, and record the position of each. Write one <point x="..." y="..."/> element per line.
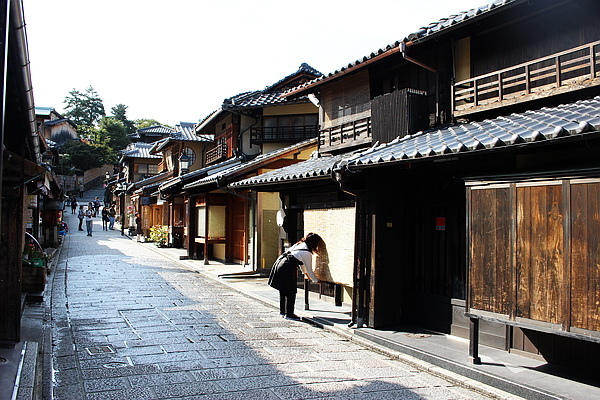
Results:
<point x="186" y="132"/>
<point x="528" y="128"/>
<point x="43" y="110"/>
<point x="254" y="163"/>
<point x="152" y="131"/>
<point x="304" y="69"/>
<point x="270" y="95"/>
<point x="253" y="99"/>
<point x="53" y="122"/>
<point x="139" y="150"/>
<point x="157" y="129"/>
<point x="199" y="173"/>
<point x="316" y="167"/>
<point x="455" y="19"/>
<point x="257" y="98"/>
<point x="154" y="180"/>
<point x="423" y="33"/>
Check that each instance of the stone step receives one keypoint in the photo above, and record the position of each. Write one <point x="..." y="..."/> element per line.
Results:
<point x="27" y="372"/>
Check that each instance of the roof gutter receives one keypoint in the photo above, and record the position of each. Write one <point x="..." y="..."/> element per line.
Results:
<point x="27" y="89"/>
<point x="357" y="67"/>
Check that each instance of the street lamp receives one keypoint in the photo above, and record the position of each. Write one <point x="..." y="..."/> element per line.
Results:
<point x="122" y="188"/>
<point x="47" y="157"/>
<point x="184" y="163"/>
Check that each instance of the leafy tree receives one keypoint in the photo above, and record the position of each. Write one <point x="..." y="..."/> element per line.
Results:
<point x="120" y="113"/>
<point x="113" y="133"/>
<point x="84" y="109"/>
<point x="145" y="123"/>
<point x="84" y="156"/>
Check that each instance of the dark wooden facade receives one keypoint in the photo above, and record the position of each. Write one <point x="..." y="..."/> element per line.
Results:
<point x="20" y="158"/>
<point x="525" y="262"/>
<point x="534" y="253"/>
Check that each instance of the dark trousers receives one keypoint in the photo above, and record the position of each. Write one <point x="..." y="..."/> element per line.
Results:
<point x="286" y="303"/>
<point x="80" y="224"/>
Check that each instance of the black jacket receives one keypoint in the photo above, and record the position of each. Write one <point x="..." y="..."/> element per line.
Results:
<point x="284" y="273"/>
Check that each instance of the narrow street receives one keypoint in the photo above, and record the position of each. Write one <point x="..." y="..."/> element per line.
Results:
<point x="128" y="323"/>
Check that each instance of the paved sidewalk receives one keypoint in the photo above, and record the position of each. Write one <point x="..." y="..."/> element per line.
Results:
<point x="519" y="375"/>
<point x="130" y="323"/>
<point x="427" y="352"/>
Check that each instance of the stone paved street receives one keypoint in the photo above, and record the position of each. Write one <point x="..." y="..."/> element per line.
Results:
<point x="130" y="324"/>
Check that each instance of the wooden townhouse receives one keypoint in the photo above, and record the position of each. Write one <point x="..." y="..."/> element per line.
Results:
<point x="28" y="190"/>
<point x="474" y="212"/>
<point x="136" y="165"/>
<point x="245" y="127"/>
<point x="182" y="152"/>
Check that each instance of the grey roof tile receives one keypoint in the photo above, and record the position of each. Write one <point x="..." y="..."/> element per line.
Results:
<point x="255" y="162"/>
<point x="314" y="168"/>
<point x="139" y="150"/>
<point x="526" y="128"/>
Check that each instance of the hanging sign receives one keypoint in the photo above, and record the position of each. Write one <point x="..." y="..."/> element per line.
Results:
<point x="440" y="223"/>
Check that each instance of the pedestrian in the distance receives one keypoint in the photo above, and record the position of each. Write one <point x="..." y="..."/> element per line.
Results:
<point x="285" y="271"/>
<point x="96" y="206"/>
<point x="89" y="220"/>
<point x="105" y="219"/>
<point x="138" y="227"/>
<point x="81" y="216"/>
<point x="73" y="204"/>
<point x="81" y="190"/>
<point x="112" y="213"/>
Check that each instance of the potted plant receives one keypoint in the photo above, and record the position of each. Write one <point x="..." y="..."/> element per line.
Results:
<point x="159" y="234"/>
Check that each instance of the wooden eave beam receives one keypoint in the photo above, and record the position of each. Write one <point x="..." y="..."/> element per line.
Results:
<point x="310" y="88"/>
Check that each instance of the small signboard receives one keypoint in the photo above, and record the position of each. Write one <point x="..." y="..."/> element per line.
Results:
<point x="440" y="223"/>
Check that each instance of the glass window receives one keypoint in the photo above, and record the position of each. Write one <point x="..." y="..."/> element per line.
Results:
<point x="191" y="154"/>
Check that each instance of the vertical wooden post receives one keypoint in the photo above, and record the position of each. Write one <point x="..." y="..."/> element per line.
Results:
<point x="500" y="87"/>
<point x="592" y="62"/>
<point x="567" y="278"/>
<point x="527" y="80"/>
<point x="306" y="293"/>
<point x="557" y="63"/>
<point x="474" y="340"/>
<point x="337" y="294"/>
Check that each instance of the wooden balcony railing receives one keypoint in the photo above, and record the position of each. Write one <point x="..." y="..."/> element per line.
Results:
<point x="346" y="135"/>
<point x="557" y="73"/>
<point x="216" y="154"/>
<point x="282" y="134"/>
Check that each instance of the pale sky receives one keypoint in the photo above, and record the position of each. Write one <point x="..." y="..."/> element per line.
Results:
<point x="177" y="60"/>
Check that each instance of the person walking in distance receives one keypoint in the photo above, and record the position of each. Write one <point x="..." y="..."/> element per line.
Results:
<point x="89" y="220"/>
<point x="81" y="190"/>
<point x="105" y="219"/>
<point x="73" y="204"/>
<point x="284" y="272"/>
<point x="81" y="216"/>
<point x="112" y="213"/>
<point x="138" y="227"/>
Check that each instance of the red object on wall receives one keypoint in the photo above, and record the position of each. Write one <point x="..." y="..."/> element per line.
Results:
<point x="440" y="223"/>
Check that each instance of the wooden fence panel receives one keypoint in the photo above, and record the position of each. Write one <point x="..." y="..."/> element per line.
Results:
<point x="490" y="275"/>
<point x="585" y="256"/>
<point x="540" y="258"/>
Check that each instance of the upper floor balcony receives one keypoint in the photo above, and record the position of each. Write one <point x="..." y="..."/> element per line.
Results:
<point x="216" y="154"/>
<point x="558" y="73"/>
<point x="350" y="134"/>
<point x="282" y="134"/>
